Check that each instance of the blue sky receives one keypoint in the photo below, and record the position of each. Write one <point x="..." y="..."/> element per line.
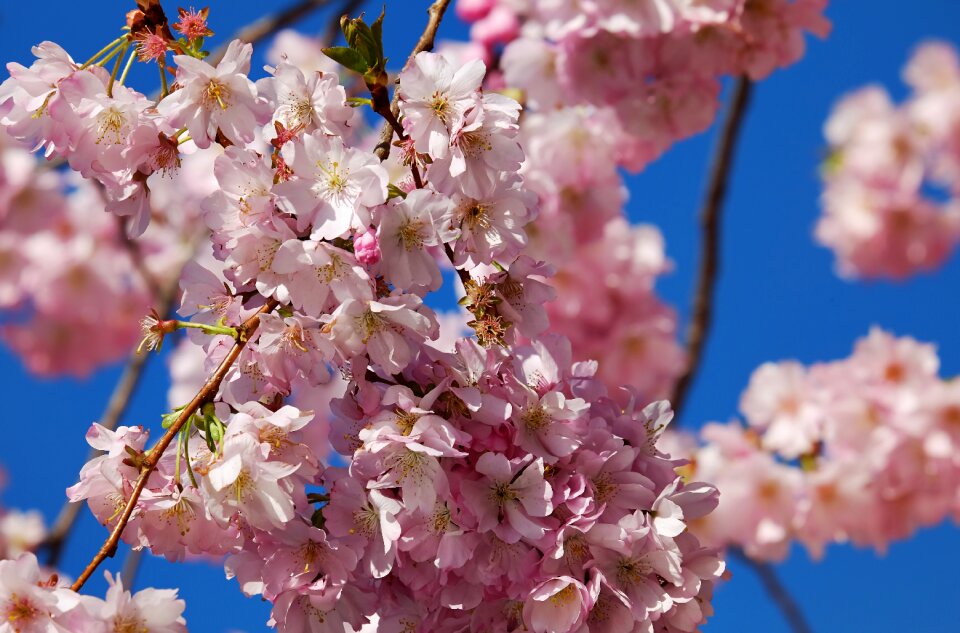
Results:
<point x="777" y="298"/>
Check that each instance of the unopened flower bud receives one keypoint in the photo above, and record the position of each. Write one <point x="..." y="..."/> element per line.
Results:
<point x="367" y="248"/>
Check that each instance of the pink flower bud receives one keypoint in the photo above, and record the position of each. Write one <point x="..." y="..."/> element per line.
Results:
<point x="473" y="10"/>
<point x="498" y="27"/>
<point x="367" y="248"/>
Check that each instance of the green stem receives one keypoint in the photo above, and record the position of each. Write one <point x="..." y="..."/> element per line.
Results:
<point x="186" y="451"/>
<point x="116" y="69"/>
<point x="165" y="90"/>
<point x="103" y="51"/>
<point x="213" y="330"/>
<point x="126" y="69"/>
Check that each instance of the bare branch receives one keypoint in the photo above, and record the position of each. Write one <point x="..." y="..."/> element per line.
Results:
<point x="711" y="216"/>
<point x="778" y="591"/>
<point x="425" y="43"/>
<point x="206" y="394"/>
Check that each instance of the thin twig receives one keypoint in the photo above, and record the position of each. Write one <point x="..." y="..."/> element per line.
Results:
<point x="116" y="408"/>
<point x="133" y="370"/>
<point x="710" y="219"/>
<point x="269" y="25"/>
<point x="776" y="589"/>
<point x="425" y="43"/>
<point x="206" y="394"/>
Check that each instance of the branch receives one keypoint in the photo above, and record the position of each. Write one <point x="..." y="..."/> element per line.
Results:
<point x="710" y="218"/>
<point x="136" y="363"/>
<point x="206" y="394"/>
<point x="776" y="589"/>
<point x="112" y="414"/>
<point x="270" y="25"/>
<point x="425" y="43"/>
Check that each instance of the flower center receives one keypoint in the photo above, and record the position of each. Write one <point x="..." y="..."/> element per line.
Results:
<point x="535" y="418"/>
<point x="564" y="597"/>
<point x="472" y="144"/>
<point x="243" y="485"/>
<point x="216" y="93"/>
<point x="21" y="611"/>
<point x="406" y="420"/>
<point x="477" y="215"/>
<point x="630" y="571"/>
<point x="182" y="513"/>
<point x="366" y="520"/>
<point x="604" y="488"/>
<point x="441" y="519"/>
<point x="371" y="323"/>
<point x="129" y="624"/>
<point x="410" y="235"/>
<point x="502" y="493"/>
<point x="111" y="127"/>
<point x="440" y="106"/>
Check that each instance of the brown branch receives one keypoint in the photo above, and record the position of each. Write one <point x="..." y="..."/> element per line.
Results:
<point x="270" y="25"/>
<point x="206" y="394"/>
<point x="425" y="43"/>
<point x="136" y="363"/>
<point x="710" y="218"/>
<point x="777" y="590"/>
<point x="116" y="408"/>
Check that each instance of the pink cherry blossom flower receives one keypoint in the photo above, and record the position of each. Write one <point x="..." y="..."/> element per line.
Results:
<point x="154" y="610"/>
<point x="314" y="102"/>
<point x="408" y="227"/>
<point x="316" y="275"/>
<point x="434" y="97"/>
<point x="509" y="498"/>
<point x="335" y="186"/>
<point x="211" y="98"/>
<point x="385" y="329"/>
<point x="242" y="481"/>
<point x="558" y="605"/>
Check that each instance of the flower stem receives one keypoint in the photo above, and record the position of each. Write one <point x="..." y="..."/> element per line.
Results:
<point x="126" y="69"/>
<point x="103" y="51"/>
<point x="165" y="89"/>
<point x="116" y="69"/>
<point x="212" y="330"/>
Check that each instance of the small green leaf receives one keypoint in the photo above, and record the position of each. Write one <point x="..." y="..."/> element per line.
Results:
<point x="347" y="57"/>
<point x="359" y="101"/>
<point x="394" y="191"/>
<point x="377" y="30"/>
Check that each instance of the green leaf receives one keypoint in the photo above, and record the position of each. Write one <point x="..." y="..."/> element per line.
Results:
<point x="347" y="57"/>
<point x="359" y="101"/>
<point x="377" y="30"/>
<point x="394" y="191"/>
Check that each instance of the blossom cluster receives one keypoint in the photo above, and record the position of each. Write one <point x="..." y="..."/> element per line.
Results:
<point x="492" y="483"/>
<point x="651" y="67"/>
<point x="890" y="205"/>
<point x="861" y="450"/>
<point x="611" y="85"/>
<point x="55" y="318"/>
<point x="34" y="599"/>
